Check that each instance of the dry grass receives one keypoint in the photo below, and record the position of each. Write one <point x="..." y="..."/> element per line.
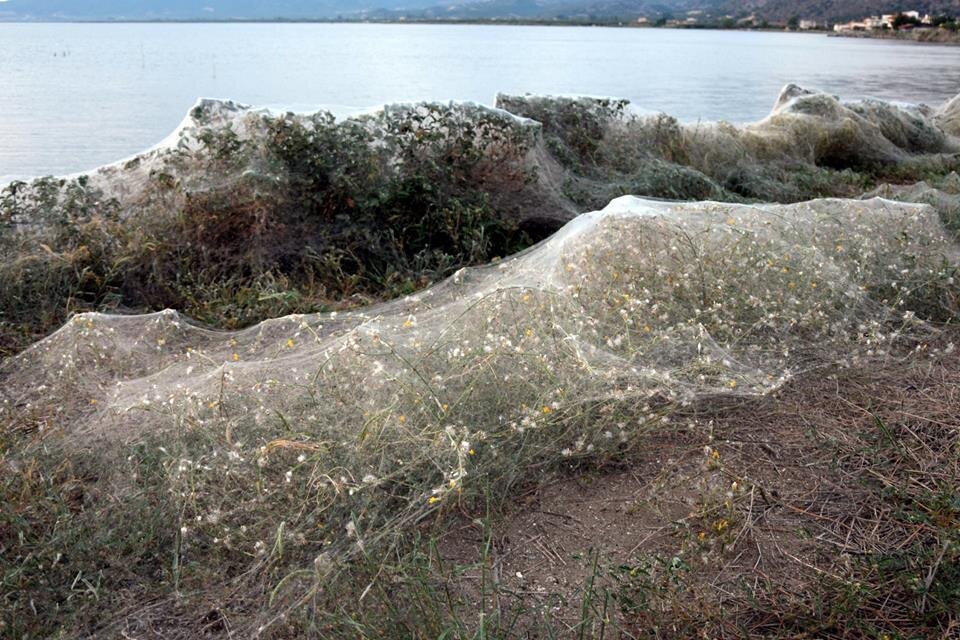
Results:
<point x="293" y="479"/>
<point x="829" y="510"/>
<point x="297" y="478"/>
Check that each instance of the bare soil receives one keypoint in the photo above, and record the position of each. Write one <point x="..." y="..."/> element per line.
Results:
<point x="792" y="514"/>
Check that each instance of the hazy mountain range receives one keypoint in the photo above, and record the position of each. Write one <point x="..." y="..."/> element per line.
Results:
<point x="773" y="10"/>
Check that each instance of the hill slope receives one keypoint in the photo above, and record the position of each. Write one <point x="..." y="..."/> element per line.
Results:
<point x="187" y="9"/>
<point x="774" y="10"/>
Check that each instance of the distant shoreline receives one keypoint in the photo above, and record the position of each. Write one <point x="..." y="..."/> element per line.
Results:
<point x="533" y="22"/>
<point x="922" y="36"/>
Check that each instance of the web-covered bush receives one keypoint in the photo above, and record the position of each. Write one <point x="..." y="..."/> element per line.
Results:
<point x="246" y="215"/>
<point x="289" y="449"/>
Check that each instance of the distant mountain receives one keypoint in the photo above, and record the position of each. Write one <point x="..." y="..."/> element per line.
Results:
<point x="572" y="9"/>
<point x="198" y="9"/>
<point x="772" y="10"/>
<point x="839" y="10"/>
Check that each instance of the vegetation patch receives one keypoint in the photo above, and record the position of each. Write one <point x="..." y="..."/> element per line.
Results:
<point x="255" y="215"/>
<point x="292" y="478"/>
<point x="771" y="384"/>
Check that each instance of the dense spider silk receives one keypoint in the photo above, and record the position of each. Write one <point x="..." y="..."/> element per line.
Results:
<point x="280" y="451"/>
<point x="569" y="349"/>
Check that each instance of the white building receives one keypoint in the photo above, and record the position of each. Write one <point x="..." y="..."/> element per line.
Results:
<point x="878" y="22"/>
<point x="867" y="24"/>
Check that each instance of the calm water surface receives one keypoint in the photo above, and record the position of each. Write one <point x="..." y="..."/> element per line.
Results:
<point x="74" y="96"/>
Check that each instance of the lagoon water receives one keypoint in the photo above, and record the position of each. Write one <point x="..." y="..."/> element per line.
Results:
<point x="75" y="96"/>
